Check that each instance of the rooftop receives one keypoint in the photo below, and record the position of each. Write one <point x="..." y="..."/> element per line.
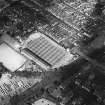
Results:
<point x="11" y="59"/>
<point x="43" y="102"/>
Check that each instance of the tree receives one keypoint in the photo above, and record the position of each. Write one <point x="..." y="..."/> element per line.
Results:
<point x="3" y="69"/>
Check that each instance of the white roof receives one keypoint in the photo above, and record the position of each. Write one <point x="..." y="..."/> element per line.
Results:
<point x="10" y="58"/>
<point x="43" y="102"/>
<point x="47" y="50"/>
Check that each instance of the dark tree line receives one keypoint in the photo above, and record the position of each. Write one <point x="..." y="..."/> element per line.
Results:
<point x="3" y="69"/>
